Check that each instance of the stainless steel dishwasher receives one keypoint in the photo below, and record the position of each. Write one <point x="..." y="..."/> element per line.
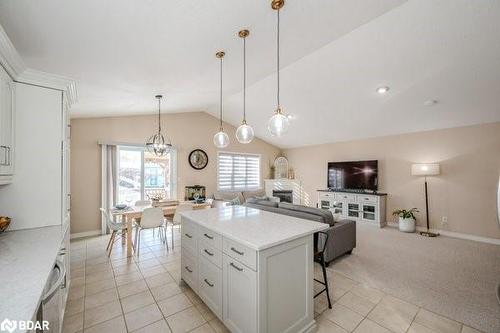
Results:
<point x="51" y="305"/>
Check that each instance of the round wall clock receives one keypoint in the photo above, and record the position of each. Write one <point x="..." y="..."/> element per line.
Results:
<point x="198" y="159"/>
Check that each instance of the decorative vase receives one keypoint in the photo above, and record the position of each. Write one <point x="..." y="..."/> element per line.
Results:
<point x="407" y="224"/>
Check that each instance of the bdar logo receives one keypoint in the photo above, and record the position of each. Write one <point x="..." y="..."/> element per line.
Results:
<point x="8" y="325"/>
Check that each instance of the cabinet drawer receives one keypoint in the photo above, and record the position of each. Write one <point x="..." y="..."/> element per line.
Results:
<point x="367" y="198"/>
<point x="345" y="196"/>
<point x="240" y="296"/>
<point x="211" y="238"/>
<point x="189" y="270"/>
<point x="243" y="254"/>
<point x="188" y="237"/>
<point x="210" y="253"/>
<point x="210" y="286"/>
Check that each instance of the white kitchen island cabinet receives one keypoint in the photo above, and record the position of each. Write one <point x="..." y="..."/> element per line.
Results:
<point x="252" y="268"/>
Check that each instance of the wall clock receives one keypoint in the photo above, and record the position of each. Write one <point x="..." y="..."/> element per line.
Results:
<point x="198" y="159"/>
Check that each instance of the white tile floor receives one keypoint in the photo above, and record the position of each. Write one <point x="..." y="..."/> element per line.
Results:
<point x="145" y="294"/>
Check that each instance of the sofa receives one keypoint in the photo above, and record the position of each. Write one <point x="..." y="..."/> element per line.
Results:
<point x="242" y="196"/>
<point x="341" y="233"/>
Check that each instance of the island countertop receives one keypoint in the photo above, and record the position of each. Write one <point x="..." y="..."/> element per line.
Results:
<point x="26" y="260"/>
<point x="254" y="228"/>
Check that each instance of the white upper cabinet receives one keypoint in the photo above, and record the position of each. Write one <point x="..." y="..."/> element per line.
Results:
<point x="6" y="128"/>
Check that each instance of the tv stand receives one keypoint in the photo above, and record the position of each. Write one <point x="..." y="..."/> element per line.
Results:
<point x="355" y="205"/>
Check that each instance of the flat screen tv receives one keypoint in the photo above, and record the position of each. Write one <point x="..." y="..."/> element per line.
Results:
<point x="355" y="175"/>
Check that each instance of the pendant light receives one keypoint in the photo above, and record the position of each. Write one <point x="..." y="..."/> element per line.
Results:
<point x="278" y="124"/>
<point x="221" y="139"/>
<point x="244" y="133"/>
<point x="156" y="143"/>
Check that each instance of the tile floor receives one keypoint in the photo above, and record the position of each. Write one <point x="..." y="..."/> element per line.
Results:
<point x="145" y="294"/>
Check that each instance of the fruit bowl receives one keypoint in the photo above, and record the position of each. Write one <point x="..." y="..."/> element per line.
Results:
<point x="4" y="223"/>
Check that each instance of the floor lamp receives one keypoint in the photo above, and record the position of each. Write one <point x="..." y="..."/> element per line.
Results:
<point x="425" y="170"/>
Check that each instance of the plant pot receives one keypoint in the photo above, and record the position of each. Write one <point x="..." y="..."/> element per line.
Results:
<point x="406" y="225"/>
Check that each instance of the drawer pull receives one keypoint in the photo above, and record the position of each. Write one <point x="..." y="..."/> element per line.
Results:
<point x="188" y="269"/>
<point x="208" y="282"/>
<point x="239" y="252"/>
<point x="367" y="198"/>
<point x="208" y="236"/>
<point x="208" y="252"/>
<point x="188" y="235"/>
<point x="238" y="268"/>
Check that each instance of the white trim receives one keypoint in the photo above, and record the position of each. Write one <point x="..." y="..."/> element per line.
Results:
<point x="85" y="234"/>
<point x="40" y="78"/>
<point x="452" y="234"/>
<point x="9" y="58"/>
<point x="104" y="186"/>
<point x="17" y="69"/>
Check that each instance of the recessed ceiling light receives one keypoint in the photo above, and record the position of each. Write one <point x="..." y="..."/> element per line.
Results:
<point x="382" y="90"/>
<point x="430" y="102"/>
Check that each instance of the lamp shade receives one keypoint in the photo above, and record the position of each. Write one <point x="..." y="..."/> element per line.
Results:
<point x="425" y="169"/>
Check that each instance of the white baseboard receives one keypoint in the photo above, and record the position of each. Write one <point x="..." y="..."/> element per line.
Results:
<point x="85" y="234"/>
<point x="453" y="234"/>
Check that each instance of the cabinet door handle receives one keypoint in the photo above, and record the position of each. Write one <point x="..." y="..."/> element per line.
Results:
<point x="8" y="156"/>
<point x="239" y="252"/>
<point x="188" y="269"/>
<point x="208" y="252"/>
<point x="238" y="268"/>
<point x="4" y="161"/>
<point x="188" y="235"/>
<point x="208" y="236"/>
<point x="208" y="282"/>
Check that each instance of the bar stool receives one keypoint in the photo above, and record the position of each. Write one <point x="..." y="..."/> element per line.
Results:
<point x="319" y="257"/>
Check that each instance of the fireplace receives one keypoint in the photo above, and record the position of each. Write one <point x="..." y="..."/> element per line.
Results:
<point x="284" y="195"/>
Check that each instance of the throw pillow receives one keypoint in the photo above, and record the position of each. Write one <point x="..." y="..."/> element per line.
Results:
<point x="235" y="201"/>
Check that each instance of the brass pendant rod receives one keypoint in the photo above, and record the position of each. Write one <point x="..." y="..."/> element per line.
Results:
<point x="244" y="80"/>
<point x="278" y="59"/>
<point x="159" y="117"/>
<point x="220" y="104"/>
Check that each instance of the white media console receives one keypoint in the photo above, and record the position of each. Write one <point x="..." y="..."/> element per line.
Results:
<point x="361" y="207"/>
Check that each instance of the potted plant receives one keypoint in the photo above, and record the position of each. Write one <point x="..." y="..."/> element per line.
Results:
<point x="406" y="219"/>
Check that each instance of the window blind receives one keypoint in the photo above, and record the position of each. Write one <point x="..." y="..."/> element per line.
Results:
<point x="238" y="172"/>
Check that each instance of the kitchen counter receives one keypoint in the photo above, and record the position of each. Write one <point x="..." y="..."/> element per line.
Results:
<point x="26" y="261"/>
<point x="254" y="228"/>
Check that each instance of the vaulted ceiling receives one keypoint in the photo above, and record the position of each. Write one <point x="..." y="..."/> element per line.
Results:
<point x="334" y="55"/>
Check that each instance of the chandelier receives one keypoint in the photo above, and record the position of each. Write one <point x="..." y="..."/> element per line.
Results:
<point x="157" y="143"/>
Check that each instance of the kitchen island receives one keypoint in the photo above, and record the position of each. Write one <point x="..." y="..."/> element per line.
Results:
<point x="252" y="268"/>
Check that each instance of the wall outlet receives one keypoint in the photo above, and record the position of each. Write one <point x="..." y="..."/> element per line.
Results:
<point x="444" y="220"/>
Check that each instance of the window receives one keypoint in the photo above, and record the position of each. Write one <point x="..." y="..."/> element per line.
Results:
<point x="141" y="174"/>
<point x="238" y="172"/>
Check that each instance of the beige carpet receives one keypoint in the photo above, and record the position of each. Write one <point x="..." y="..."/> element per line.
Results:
<point x="452" y="277"/>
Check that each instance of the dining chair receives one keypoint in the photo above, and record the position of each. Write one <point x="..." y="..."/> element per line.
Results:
<point x="143" y="203"/>
<point x="152" y="218"/>
<point x="115" y="227"/>
<point x="176" y="220"/>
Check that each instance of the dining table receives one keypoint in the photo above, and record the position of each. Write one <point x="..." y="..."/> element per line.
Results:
<point x="130" y="213"/>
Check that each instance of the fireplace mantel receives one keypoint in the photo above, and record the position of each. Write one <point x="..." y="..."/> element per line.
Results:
<point x="285" y="184"/>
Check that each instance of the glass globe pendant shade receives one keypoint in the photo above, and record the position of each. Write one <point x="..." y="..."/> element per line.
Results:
<point x="157" y="145"/>
<point x="278" y="124"/>
<point x="244" y="133"/>
<point x="221" y="139"/>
